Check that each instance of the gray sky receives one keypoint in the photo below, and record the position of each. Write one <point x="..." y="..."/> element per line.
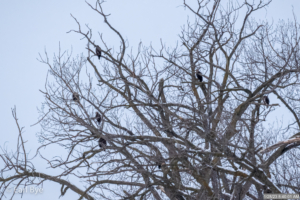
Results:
<point x="30" y="27"/>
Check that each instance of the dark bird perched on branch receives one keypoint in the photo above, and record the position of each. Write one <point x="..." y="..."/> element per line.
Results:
<point x="161" y="88"/>
<point x="266" y="100"/>
<point x="160" y="164"/>
<point x="199" y="76"/>
<point x="98" y="51"/>
<point x="267" y="190"/>
<point x="75" y="97"/>
<point x="98" y="117"/>
<point x="102" y="143"/>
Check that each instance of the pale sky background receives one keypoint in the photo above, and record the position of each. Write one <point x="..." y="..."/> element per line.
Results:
<point x="30" y="27"/>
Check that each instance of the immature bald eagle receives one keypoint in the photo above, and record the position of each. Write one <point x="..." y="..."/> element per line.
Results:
<point x="266" y="100"/>
<point x="75" y="97"/>
<point x="102" y="143"/>
<point x="98" y="117"/>
<point x="98" y="52"/>
<point x="199" y="76"/>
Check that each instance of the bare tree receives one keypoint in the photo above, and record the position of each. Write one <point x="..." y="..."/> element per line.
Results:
<point x="163" y="133"/>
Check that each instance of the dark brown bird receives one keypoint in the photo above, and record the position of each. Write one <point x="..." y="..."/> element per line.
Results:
<point x="266" y="100"/>
<point x="199" y="76"/>
<point x="160" y="164"/>
<point x="98" y="117"/>
<point x="75" y="97"/>
<point x="267" y="190"/>
<point x="102" y="143"/>
<point x="98" y="52"/>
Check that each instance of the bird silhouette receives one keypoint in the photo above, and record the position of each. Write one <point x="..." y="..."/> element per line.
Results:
<point x="98" y="52"/>
<point x="199" y="76"/>
<point x="266" y="100"/>
<point x="75" y="97"/>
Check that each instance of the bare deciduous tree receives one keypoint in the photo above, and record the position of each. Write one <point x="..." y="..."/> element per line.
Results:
<point x="163" y="133"/>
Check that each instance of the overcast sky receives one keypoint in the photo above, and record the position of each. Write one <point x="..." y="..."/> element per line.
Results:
<point x="31" y="27"/>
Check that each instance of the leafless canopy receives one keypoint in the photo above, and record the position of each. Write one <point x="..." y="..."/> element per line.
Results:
<point x="168" y="135"/>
